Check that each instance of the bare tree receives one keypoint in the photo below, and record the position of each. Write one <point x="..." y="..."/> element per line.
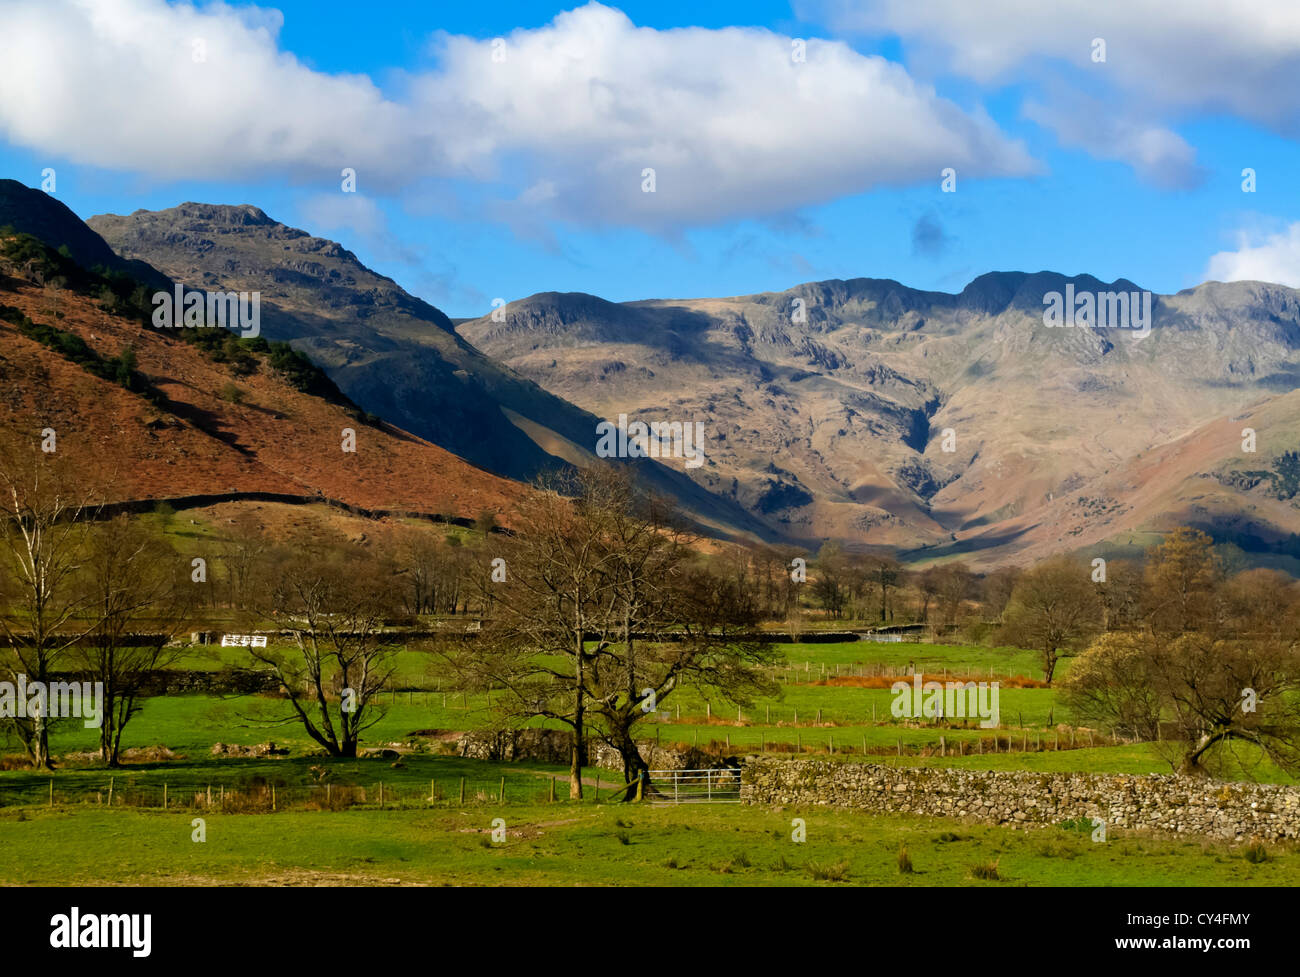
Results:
<point x="332" y="602"/>
<point x="44" y="508"/>
<point x="554" y="612"/>
<point x="138" y="594"/>
<point x="830" y="586"/>
<point x="1120" y="596"/>
<point x="698" y="615"/>
<point x="885" y="574"/>
<point x="1053" y="609"/>
<point x="1214" y="692"/>
<point x="996" y="589"/>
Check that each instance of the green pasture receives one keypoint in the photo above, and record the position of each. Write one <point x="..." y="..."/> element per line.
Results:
<point x="594" y="844"/>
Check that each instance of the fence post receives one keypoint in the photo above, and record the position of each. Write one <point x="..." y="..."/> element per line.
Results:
<point x="110" y="791"/>
<point x="501" y="797"/>
<point x="273" y="797"/>
<point x="51" y="792"/>
<point x="552" y="790"/>
<point x="381" y="795"/>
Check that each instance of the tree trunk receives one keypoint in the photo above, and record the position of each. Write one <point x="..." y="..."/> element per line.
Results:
<point x="578" y="747"/>
<point x="1192" y="761"/>
<point x="634" y="765"/>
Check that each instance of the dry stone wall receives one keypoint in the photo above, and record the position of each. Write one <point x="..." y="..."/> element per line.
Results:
<point x="552" y="746"/>
<point x="1158" y="804"/>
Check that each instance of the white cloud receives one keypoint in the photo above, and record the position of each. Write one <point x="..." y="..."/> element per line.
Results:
<point x="563" y="126"/>
<point x="1198" y="55"/>
<point x="1275" y="258"/>
<point x="1158" y="155"/>
<point x="115" y="83"/>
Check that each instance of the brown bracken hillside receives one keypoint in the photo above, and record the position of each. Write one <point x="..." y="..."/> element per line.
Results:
<point x="206" y="427"/>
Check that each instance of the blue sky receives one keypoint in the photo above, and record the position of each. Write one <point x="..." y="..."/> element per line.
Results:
<point x="479" y="179"/>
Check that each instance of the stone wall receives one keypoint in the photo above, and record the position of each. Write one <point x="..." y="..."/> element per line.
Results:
<point x="1158" y="804"/>
<point x="552" y="746"/>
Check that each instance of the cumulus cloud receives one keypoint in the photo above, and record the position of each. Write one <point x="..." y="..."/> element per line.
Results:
<point x="177" y="92"/>
<point x="563" y="121"/>
<point x="1203" y="55"/>
<point x="1272" y="258"/>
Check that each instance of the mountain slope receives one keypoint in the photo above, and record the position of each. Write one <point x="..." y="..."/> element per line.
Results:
<point x="390" y="352"/>
<point x="191" y="424"/>
<point x="30" y="211"/>
<point x="827" y="404"/>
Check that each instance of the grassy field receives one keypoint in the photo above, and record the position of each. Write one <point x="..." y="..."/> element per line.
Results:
<point x="426" y="817"/>
<point x="811" y="714"/>
<point x="605" y="844"/>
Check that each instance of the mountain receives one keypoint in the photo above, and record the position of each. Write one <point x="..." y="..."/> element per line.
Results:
<point x="388" y="351"/>
<point x="940" y="424"/>
<point x="29" y="211"/>
<point x="156" y="415"/>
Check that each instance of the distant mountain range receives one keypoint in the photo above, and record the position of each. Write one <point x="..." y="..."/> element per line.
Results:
<point x="827" y="406"/>
<point x="862" y="411"/>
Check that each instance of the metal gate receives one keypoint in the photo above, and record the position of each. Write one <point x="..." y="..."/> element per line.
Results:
<point x="720" y="786"/>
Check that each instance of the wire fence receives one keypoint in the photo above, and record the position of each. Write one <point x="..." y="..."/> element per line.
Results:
<point x="253" y="798"/>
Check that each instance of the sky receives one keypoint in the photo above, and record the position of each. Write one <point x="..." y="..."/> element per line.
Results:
<point x="669" y="150"/>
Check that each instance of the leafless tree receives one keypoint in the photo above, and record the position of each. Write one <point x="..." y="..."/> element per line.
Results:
<point x="139" y="594"/>
<point x="45" y="505"/>
<point x="1053" y="609"/>
<point x="332" y="601"/>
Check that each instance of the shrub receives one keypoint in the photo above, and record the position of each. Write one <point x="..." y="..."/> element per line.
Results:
<point x="904" y="861"/>
<point x="987" y="871"/>
<point x="839" y="872"/>
<point x="1255" y="852"/>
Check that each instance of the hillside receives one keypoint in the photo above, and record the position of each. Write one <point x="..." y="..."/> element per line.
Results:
<point x="826" y="406"/>
<point x="195" y="422"/>
<point x="390" y="352"/>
